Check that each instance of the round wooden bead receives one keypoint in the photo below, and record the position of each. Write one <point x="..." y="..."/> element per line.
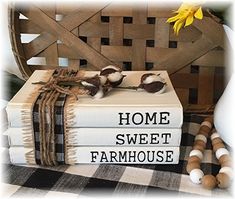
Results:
<point x="194" y="159"/>
<point x="216" y="141"/>
<point x="214" y="135"/>
<point x="224" y="158"/>
<point x="209" y="182"/>
<point x="227" y="170"/>
<point x="209" y="119"/>
<point x="205" y="130"/>
<point x="207" y="123"/>
<point x="206" y="134"/>
<point x="220" y="152"/>
<point x="218" y="146"/>
<point x="223" y="180"/>
<point x="199" y="142"/>
<point x="196" y="176"/>
<point x="192" y="165"/>
<point x="201" y="137"/>
<point x="199" y="147"/>
<point x="197" y="153"/>
<point x="226" y="163"/>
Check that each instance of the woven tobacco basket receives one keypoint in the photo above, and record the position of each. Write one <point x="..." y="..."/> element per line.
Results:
<point x="134" y="38"/>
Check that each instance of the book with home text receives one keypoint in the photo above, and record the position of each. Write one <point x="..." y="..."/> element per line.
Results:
<point x="120" y="108"/>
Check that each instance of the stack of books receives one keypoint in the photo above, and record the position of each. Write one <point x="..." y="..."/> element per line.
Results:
<point x="124" y="127"/>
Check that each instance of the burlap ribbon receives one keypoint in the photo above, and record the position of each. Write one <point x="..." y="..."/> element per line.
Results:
<point x="48" y="118"/>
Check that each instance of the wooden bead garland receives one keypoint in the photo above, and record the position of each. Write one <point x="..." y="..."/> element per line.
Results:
<point x="225" y="161"/>
<point x="224" y="177"/>
<point x="197" y="153"/>
<point x="223" y="180"/>
<point x="209" y="181"/>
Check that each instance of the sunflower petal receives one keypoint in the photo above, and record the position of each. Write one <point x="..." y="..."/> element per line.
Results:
<point x="177" y="26"/>
<point x="172" y="19"/>
<point x="199" y="14"/>
<point x="189" y="20"/>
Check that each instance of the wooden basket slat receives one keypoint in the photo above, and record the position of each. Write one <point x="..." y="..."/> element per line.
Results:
<point x="214" y="33"/>
<point x="73" y="63"/>
<point x="15" y="37"/>
<point x="185" y="80"/>
<point x="94" y="42"/>
<point x="130" y="31"/>
<point x="51" y="53"/>
<point x="116" y="35"/>
<point x="161" y="29"/>
<point x="117" y="10"/>
<point x="131" y="37"/>
<point x="116" y="31"/>
<point x="138" y="45"/>
<point x="29" y="27"/>
<point x="205" y="85"/>
<point x="213" y="58"/>
<point x="182" y="90"/>
<point x="123" y="53"/>
<point x="36" y="46"/>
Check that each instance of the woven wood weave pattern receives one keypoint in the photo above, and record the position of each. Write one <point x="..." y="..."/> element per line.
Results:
<point x="134" y="38"/>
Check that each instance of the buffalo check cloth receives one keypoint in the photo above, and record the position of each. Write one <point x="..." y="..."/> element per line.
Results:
<point x="36" y="181"/>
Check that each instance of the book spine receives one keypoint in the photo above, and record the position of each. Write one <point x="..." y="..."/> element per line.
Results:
<point x="110" y="137"/>
<point x="111" y="155"/>
<point x="115" y="117"/>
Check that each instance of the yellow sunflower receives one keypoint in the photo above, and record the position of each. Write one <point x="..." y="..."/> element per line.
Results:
<point x="185" y="16"/>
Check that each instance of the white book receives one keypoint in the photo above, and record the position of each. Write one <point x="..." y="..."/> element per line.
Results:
<point x="111" y="136"/>
<point x="110" y="155"/>
<point x="120" y="108"/>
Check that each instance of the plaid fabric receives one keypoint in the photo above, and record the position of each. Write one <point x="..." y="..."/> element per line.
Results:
<point x="58" y="126"/>
<point x="115" y="180"/>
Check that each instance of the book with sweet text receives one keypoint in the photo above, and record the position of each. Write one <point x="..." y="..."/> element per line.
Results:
<point x="111" y="136"/>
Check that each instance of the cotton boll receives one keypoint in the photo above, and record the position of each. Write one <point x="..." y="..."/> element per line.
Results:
<point x="113" y="74"/>
<point x="96" y="86"/>
<point x="108" y="70"/>
<point x="99" y="93"/>
<point x="114" y="77"/>
<point x="152" y="83"/>
<point x="102" y="91"/>
<point x="111" y="67"/>
<point x="103" y="80"/>
<point x="161" y="90"/>
<point x="153" y="78"/>
<point x="85" y="83"/>
<point x="92" y="84"/>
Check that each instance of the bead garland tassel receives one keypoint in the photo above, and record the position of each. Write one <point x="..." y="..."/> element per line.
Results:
<point x="224" y="177"/>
